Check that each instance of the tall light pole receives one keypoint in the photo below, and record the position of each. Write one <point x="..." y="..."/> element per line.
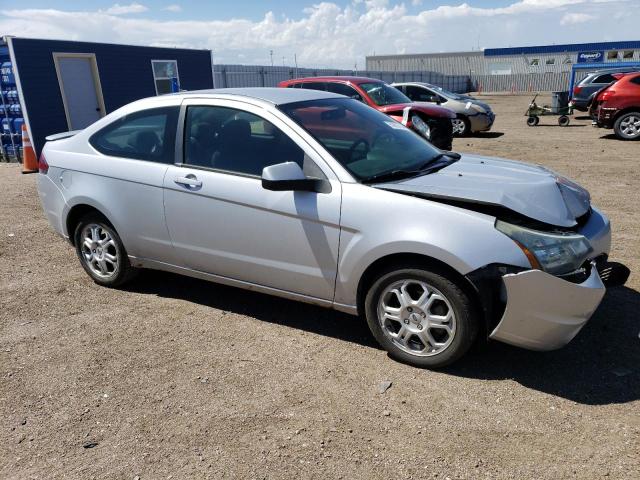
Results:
<point x="271" y="55"/>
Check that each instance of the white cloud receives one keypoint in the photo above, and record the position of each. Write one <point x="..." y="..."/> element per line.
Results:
<point x="173" y="8"/>
<point x="328" y="35"/>
<point x="573" y="18"/>
<point x="118" y="9"/>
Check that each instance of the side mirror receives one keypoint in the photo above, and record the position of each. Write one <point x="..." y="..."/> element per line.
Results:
<point x="289" y="176"/>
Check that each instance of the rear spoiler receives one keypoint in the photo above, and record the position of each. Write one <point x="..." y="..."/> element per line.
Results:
<point x="60" y="136"/>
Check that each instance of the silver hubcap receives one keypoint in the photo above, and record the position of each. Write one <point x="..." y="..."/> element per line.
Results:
<point x="458" y="126"/>
<point x="416" y="317"/>
<point x="630" y="126"/>
<point x="99" y="251"/>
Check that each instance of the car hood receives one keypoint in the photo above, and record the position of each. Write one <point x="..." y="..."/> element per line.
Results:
<point x="427" y="108"/>
<point x="529" y="190"/>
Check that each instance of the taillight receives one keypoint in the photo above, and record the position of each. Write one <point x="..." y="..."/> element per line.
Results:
<point x="43" y="166"/>
<point x="606" y="95"/>
<point x="577" y="90"/>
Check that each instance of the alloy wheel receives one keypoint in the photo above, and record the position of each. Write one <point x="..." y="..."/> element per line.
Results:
<point x="99" y="251"/>
<point x="630" y="126"/>
<point x="459" y="126"/>
<point x="416" y="317"/>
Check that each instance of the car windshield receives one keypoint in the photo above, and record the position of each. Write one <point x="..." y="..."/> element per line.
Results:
<point x="446" y="93"/>
<point x="366" y="142"/>
<point x="383" y="94"/>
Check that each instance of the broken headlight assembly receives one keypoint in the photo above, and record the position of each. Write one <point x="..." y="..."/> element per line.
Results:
<point x="555" y="253"/>
<point x="421" y="127"/>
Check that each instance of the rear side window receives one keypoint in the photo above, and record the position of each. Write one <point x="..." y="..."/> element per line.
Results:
<point x="145" y="135"/>
<point x="606" y="78"/>
<point x="635" y="80"/>
<point x="343" y="89"/>
<point x="314" y="86"/>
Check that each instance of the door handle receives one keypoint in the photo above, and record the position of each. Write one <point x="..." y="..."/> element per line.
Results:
<point x="188" y="181"/>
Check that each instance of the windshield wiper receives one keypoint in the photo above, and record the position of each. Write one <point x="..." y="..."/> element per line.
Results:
<point x="433" y="165"/>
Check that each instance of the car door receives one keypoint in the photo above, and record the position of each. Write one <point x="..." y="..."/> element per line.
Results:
<point x="222" y="221"/>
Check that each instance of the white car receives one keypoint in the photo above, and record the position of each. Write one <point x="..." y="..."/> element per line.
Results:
<point x="316" y="197"/>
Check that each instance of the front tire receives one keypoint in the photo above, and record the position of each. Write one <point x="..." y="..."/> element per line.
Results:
<point x="101" y="251"/>
<point x="421" y="317"/>
<point x="461" y="126"/>
<point x="627" y="126"/>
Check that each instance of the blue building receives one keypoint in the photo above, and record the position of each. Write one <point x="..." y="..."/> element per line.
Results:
<point x="53" y="86"/>
<point x="541" y="67"/>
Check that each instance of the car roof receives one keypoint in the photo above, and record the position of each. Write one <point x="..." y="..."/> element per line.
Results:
<point x="336" y="79"/>
<point x="420" y="84"/>
<point x="275" y="96"/>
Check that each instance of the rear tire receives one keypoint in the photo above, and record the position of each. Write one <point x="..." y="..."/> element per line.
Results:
<point x="563" y="120"/>
<point x="627" y="126"/>
<point x="101" y="251"/>
<point x="430" y="323"/>
<point x="532" y="121"/>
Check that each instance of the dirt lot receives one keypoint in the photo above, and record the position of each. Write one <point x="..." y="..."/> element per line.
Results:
<point x="179" y="378"/>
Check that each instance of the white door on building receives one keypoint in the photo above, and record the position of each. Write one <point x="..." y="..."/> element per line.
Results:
<point x="80" y="88"/>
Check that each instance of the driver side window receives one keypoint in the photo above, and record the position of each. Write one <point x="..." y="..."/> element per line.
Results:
<point x="419" y="94"/>
<point x="237" y="141"/>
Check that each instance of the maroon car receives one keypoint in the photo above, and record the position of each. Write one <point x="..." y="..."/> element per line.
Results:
<point x="430" y="121"/>
<point x="618" y="106"/>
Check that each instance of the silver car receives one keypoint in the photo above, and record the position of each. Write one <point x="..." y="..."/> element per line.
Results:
<point x="472" y="115"/>
<point x="316" y="197"/>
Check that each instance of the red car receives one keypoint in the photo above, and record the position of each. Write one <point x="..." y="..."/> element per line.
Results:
<point x="618" y="106"/>
<point x="430" y="121"/>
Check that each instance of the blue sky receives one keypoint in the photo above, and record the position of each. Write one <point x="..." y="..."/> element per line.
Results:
<point x="331" y="33"/>
<point x="224" y="10"/>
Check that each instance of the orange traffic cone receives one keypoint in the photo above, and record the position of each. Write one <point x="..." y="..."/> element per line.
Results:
<point x="29" y="161"/>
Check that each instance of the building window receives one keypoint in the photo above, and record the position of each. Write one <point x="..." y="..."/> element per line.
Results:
<point x="627" y="54"/>
<point x="535" y="62"/>
<point x="551" y="61"/>
<point x="165" y="76"/>
<point x="612" y="55"/>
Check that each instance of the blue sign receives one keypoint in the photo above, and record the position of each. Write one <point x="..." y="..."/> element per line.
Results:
<point x="591" y="57"/>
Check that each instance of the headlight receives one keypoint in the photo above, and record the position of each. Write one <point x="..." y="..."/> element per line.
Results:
<point x="478" y="108"/>
<point x="555" y="253"/>
<point x="421" y="126"/>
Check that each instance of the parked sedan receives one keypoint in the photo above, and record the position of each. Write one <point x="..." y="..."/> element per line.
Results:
<point x="318" y="198"/>
<point x="471" y="115"/>
<point x="618" y="106"/>
<point x="432" y="122"/>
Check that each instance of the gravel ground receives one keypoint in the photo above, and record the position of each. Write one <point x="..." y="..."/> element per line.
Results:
<point x="178" y="378"/>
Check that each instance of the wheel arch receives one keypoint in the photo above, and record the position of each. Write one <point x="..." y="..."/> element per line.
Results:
<point x="75" y="214"/>
<point x="624" y="111"/>
<point x="413" y="260"/>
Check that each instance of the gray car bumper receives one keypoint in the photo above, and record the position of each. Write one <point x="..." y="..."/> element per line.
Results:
<point x="544" y="312"/>
<point x="481" y="122"/>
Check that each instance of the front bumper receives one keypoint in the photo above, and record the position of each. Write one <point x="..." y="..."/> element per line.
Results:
<point x="544" y="312"/>
<point x="481" y="122"/>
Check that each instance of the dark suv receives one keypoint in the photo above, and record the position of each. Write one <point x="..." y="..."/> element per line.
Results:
<point x="585" y="90"/>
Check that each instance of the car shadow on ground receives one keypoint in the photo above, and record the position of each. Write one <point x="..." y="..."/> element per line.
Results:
<point x="487" y="135"/>
<point x="281" y="311"/>
<point x="600" y="366"/>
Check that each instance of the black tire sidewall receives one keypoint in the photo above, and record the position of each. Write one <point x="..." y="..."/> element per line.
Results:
<point x="466" y="326"/>
<point x="124" y="267"/>
<point x="532" y="121"/>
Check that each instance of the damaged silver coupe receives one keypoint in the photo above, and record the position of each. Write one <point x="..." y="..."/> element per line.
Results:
<point x="316" y="197"/>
